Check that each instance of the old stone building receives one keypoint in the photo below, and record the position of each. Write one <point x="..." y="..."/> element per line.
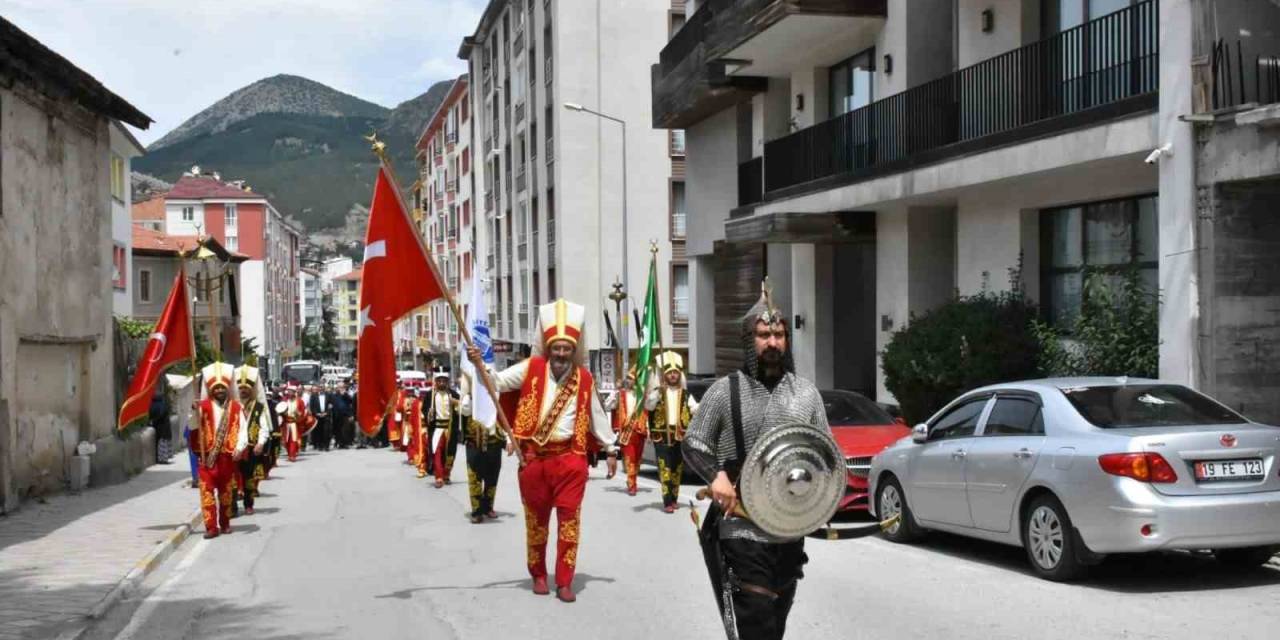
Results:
<point x="56" y="383"/>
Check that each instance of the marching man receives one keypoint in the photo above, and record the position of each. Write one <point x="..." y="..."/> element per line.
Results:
<point x="484" y="458"/>
<point x="218" y="440"/>
<point x="670" y="410"/>
<point x="557" y="412"/>
<point x="297" y="422"/>
<point x="443" y="418"/>
<point x="257" y="429"/>
<point x="630" y="427"/>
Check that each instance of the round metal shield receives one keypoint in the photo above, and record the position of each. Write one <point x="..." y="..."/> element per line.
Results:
<point x="792" y="480"/>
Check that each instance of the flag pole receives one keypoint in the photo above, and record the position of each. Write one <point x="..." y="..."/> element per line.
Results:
<point x="380" y="149"/>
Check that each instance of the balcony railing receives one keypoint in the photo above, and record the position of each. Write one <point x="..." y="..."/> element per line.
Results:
<point x="1238" y="79"/>
<point x="551" y="254"/>
<point x="1108" y="61"/>
<point x="519" y="113"/>
<point x="551" y="152"/>
<point x="523" y="251"/>
<point x="546" y="70"/>
<point x="488" y="201"/>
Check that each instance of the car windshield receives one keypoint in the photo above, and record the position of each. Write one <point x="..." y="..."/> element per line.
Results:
<point x="846" y="409"/>
<point x="1164" y="405"/>
<point x="301" y="373"/>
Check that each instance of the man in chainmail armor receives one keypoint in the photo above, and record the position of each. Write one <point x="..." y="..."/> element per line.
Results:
<point x="753" y="573"/>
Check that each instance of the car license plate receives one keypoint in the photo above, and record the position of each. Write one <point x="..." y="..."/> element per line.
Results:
<point x="1220" y="470"/>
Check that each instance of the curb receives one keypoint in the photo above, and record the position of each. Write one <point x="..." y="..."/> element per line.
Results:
<point x="144" y="567"/>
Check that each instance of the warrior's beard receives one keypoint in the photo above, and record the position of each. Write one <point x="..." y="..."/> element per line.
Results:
<point x="771" y="368"/>
<point x="559" y="367"/>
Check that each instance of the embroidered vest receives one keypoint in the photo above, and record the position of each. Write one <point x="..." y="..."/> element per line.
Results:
<point x="660" y="432"/>
<point x="209" y="429"/>
<point x="531" y="423"/>
<point x="394" y="431"/>
<point x="255" y="422"/>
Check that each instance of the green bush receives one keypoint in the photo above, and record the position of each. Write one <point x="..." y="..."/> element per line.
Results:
<point x="966" y="343"/>
<point x="1116" y="333"/>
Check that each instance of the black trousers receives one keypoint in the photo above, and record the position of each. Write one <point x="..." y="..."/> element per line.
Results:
<point x="483" y="467"/>
<point x="670" y="471"/>
<point x="764" y="578"/>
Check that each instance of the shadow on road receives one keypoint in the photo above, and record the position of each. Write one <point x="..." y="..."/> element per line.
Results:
<point x="1160" y="572"/>
<point x="581" y="582"/>
<point x="624" y="489"/>
<point x="36" y="518"/>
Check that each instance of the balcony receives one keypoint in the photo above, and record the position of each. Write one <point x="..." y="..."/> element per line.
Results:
<point x="1100" y="70"/>
<point x="488" y="201"/>
<point x="520" y="179"/>
<point x="523" y="251"/>
<point x="551" y="153"/>
<point x="551" y="253"/>
<point x="546" y="70"/>
<point x="692" y="79"/>
<point x="519" y="113"/>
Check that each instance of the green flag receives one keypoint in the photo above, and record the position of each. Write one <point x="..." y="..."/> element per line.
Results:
<point x="650" y="336"/>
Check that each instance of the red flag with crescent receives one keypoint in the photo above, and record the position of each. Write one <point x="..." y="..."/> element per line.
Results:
<point x="170" y="343"/>
<point x="398" y="277"/>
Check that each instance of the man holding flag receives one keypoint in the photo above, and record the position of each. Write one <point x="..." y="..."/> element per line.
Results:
<point x="484" y="442"/>
<point x="170" y="343"/>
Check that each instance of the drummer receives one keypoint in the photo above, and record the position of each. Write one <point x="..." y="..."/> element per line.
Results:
<point x="756" y="570"/>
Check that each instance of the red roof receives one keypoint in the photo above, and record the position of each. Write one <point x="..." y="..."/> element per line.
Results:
<point x="354" y="274"/>
<point x="148" y="241"/>
<point x="152" y="209"/>
<point x="201" y="187"/>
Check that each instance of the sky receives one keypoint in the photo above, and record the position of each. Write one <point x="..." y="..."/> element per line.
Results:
<point x="173" y="58"/>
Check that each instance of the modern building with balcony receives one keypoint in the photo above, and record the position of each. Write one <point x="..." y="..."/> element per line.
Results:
<point x="549" y="181"/>
<point x="910" y="151"/>
<point x="444" y="211"/>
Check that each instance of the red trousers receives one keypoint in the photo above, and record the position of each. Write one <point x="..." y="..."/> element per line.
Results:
<point x="441" y="460"/>
<point x="631" y="453"/>
<point x="557" y="481"/>
<point x="292" y="448"/>
<point x="215" y="492"/>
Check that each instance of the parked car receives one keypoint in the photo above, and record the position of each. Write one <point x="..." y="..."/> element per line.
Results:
<point x="1074" y="469"/>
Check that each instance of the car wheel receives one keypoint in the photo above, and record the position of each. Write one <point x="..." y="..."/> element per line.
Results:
<point x="1244" y="557"/>
<point x="1050" y="540"/>
<point x="892" y="501"/>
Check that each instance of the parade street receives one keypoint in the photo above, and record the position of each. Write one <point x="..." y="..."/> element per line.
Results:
<point x="349" y="544"/>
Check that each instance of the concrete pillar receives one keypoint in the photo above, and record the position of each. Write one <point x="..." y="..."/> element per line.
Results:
<point x="702" y="315"/>
<point x="778" y="266"/>
<point x="812" y="345"/>
<point x="1179" y="277"/>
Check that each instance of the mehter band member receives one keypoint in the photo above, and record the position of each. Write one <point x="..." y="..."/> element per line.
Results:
<point x="558" y="411"/>
<point x="257" y="427"/>
<point x="217" y="440"/>
<point x="484" y="457"/>
<point x="630" y="426"/>
<point x="670" y="410"/>
<point x="443" y="425"/>
<point x="756" y="571"/>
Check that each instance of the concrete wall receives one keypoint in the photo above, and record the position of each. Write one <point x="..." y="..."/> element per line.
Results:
<point x="702" y="315"/>
<point x="56" y="383"/>
<point x="1016" y="23"/>
<point x="711" y="180"/>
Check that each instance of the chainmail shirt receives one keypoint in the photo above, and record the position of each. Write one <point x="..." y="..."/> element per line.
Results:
<point x="709" y="442"/>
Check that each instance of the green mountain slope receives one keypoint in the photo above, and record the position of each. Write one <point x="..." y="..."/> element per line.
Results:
<point x="313" y="166"/>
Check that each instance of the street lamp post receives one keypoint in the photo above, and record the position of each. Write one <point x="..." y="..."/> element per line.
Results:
<point x="622" y="321"/>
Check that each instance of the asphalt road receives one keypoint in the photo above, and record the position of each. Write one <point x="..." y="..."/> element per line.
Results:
<point x="349" y="544"/>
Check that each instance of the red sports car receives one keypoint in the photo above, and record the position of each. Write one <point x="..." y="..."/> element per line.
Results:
<point x="862" y="429"/>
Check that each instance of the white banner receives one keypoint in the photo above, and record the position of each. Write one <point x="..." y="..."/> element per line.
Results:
<point x="483" y="409"/>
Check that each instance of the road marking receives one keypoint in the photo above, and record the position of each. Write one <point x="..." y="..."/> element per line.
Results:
<point x="144" y="612"/>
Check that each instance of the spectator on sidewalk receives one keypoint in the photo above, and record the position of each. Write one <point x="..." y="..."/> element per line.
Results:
<point x="158" y="416"/>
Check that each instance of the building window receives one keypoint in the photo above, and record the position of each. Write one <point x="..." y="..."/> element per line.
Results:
<point x="680" y="293"/>
<point x="119" y="266"/>
<point x="232" y="218"/>
<point x="852" y="83"/>
<point x="117" y="177"/>
<point x="677" y="142"/>
<point x="188" y="214"/>
<point x="1108" y="238"/>
<point x="144" y="285"/>
<point x="678" y="217"/>
<point x="233" y="243"/>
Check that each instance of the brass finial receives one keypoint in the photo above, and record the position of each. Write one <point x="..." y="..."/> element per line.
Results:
<point x="378" y="147"/>
<point x="653" y="247"/>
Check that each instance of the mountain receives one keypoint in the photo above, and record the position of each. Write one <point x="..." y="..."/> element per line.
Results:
<point x="298" y="142"/>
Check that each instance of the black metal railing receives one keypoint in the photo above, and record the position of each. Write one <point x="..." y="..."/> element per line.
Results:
<point x="1239" y="79"/>
<point x="751" y="181"/>
<point x="1101" y="62"/>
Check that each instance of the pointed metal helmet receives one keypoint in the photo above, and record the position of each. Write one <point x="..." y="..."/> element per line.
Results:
<point x="763" y="311"/>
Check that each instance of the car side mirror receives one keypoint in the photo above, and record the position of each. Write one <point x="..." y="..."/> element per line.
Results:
<point x="920" y="433"/>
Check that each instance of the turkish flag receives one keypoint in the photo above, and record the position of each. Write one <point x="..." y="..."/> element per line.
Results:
<point x="170" y="344"/>
<point x="398" y="277"/>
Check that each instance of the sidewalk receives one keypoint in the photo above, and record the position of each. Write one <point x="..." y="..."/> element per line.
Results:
<point x="59" y="561"/>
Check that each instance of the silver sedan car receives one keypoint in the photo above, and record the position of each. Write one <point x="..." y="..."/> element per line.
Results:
<point x="1073" y="469"/>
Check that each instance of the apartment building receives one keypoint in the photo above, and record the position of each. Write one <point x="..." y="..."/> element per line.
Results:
<point x="346" y="304"/>
<point x="444" y="211"/>
<point x="246" y="222"/>
<point x="549" y="181"/>
<point x="912" y="150"/>
<point x="124" y="148"/>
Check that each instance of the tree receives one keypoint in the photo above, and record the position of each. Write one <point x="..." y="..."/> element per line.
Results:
<point x="320" y="341"/>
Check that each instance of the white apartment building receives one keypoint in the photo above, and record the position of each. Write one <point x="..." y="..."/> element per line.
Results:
<point x="549" y="181"/>
<point x="444" y="211"/>
<point x="910" y="150"/>
<point x="124" y="148"/>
